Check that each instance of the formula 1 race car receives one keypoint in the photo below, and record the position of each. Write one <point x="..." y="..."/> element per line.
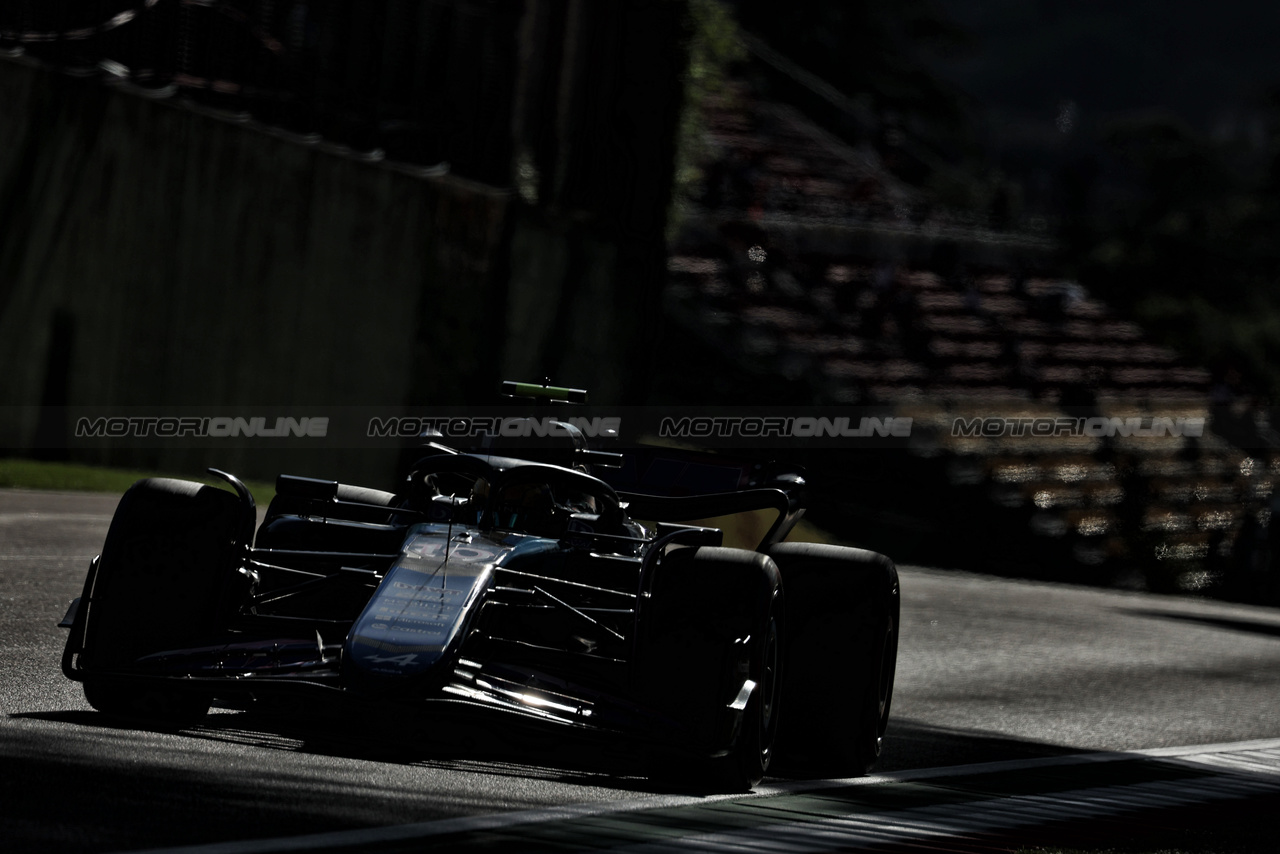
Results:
<point x="522" y="584"/>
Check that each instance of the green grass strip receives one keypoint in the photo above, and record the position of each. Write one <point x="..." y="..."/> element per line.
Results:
<point x="78" y="477"/>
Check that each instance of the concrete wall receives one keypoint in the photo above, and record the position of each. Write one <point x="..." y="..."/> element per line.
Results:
<point x="151" y="254"/>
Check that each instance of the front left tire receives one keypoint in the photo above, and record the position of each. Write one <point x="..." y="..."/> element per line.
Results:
<point x="165" y="580"/>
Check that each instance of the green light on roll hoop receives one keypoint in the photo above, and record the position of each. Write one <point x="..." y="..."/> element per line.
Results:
<point x="558" y="394"/>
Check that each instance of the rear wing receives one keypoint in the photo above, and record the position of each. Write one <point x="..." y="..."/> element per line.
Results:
<point x="677" y="471"/>
<point x="667" y="508"/>
<point x="677" y="485"/>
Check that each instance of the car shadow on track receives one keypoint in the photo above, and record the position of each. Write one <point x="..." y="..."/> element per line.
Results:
<point x="1254" y="627"/>
<point x="911" y="744"/>
<point x="524" y="755"/>
<point x="513" y="753"/>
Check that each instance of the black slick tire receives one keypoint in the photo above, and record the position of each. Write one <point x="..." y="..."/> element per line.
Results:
<point x="841" y="656"/>
<point x="164" y="581"/>
<point x="716" y="620"/>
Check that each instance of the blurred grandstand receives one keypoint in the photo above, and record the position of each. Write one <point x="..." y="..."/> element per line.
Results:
<point x="806" y="270"/>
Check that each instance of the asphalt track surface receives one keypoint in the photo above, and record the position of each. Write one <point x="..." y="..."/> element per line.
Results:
<point x="989" y="670"/>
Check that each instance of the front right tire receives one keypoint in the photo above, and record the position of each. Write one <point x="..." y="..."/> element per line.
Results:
<point x="715" y="619"/>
